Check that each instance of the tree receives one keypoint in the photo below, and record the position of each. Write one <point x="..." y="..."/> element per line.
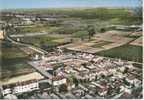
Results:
<point x="138" y="11"/>
<point x="73" y="79"/>
<point x="63" y="88"/>
<point x="84" y="64"/>
<point x="126" y="70"/>
<point x="76" y="82"/>
<point x="81" y="34"/>
<point x="91" y="31"/>
<point x="102" y="30"/>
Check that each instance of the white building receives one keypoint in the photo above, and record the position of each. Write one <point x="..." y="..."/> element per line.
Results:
<point x="59" y="82"/>
<point x="10" y="97"/>
<point x="21" y="88"/>
<point x="27" y="21"/>
<point x="26" y="88"/>
<point x="6" y="91"/>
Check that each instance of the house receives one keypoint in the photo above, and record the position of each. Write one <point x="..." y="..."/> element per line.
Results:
<point x="21" y="84"/>
<point x="2" y="35"/>
<point x="91" y="67"/>
<point x="6" y="91"/>
<point x="27" y="21"/>
<point x="59" y="80"/>
<point x="21" y="88"/>
<point x="26" y="88"/>
<point x="10" y="97"/>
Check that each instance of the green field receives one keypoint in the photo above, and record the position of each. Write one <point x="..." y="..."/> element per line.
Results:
<point x="116" y="15"/>
<point x="45" y="42"/>
<point x="14" y="67"/>
<point x="13" y="61"/>
<point x="74" y="22"/>
<point x="37" y="28"/>
<point x="74" y="19"/>
<point x="126" y="52"/>
<point x="80" y="34"/>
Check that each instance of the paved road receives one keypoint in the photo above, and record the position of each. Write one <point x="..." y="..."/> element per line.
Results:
<point x="43" y="81"/>
<point x="39" y="50"/>
<point x="118" y="96"/>
<point x="42" y="71"/>
<point x="35" y="66"/>
<point x="29" y="34"/>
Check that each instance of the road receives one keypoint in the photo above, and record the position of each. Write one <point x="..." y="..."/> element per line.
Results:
<point x="39" y="50"/>
<point x="118" y="96"/>
<point x="42" y="71"/>
<point x="35" y="66"/>
<point x="28" y="34"/>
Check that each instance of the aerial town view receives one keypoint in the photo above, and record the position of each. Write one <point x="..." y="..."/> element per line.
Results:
<point x="71" y="49"/>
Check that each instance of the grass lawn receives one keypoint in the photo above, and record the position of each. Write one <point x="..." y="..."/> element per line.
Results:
<point x="126" y="52"/>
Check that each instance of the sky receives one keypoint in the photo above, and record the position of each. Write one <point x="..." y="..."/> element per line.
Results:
<point x="13" y="4"/>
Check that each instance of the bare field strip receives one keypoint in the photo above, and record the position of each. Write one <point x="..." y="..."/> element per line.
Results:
<point x="99" y="43"/>
<point x="137" y="42"/>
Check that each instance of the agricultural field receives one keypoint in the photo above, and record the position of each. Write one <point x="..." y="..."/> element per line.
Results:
<point x="115" y="15"/>
<point x="100" y="44"/>
<point x="127" y="52"/>
<point x="45" y="41"/>
<point x="72" y="26"/>
<point x="77" y="19"/>
<point x="36" y="28"/>
<point x="71" y="49"/>
<point x="13" y="62"/>
<point x="138" y="42"/>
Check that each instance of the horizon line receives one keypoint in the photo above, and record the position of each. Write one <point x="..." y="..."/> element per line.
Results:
<point x="67" y="7"/>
